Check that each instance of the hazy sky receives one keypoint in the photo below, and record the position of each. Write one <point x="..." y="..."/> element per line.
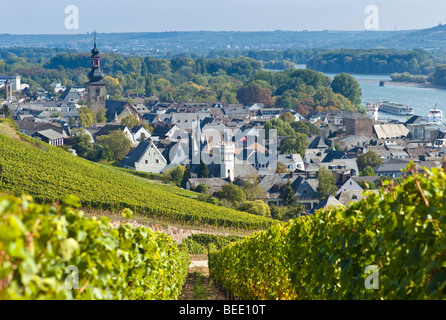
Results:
<point x="48" y="16"/>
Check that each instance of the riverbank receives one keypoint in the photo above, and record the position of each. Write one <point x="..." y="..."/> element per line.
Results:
<point x="414" y="85"/>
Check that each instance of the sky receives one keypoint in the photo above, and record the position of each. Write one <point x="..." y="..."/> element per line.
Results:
<point x="49" y="16"/>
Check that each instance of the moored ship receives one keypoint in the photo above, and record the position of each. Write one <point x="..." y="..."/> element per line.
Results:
<point x="435" y="115"/>
<point x="396" y="108"/>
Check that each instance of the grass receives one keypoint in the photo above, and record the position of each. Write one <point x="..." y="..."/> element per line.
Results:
<point x="199" y="290"/>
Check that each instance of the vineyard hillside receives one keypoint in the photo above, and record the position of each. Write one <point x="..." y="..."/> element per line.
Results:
<point x="49" y="173"/>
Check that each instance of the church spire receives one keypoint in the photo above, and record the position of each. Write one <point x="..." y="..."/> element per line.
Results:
<point x="95" y="50"/>
<point x="95" y="74"/>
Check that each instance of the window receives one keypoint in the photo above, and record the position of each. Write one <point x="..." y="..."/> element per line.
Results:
<point x="147" y="161"/>
<point x="157" y="161"/>
<point x="354" y="198"/>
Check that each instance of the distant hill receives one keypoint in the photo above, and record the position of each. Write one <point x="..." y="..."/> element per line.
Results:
<point x="431" y="38"/>
<point x="201" y="42"/>
<point x="28" y="166"/>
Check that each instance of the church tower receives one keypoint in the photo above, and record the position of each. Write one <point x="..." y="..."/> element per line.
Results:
<point x="95" y="87"/>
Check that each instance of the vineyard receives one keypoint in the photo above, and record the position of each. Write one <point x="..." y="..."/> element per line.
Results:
<point x="48" y="174"/>
<point x="49" y="252"/>
<point x="399" y="234"/>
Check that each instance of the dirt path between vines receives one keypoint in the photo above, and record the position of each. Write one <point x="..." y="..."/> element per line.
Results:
<point x="198" y="285"/>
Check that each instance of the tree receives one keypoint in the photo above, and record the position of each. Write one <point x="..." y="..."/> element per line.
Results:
<point x="116" y="145"/>
<point x="252" y="190"/>
<point x="100" y="116"/>
<point x="231" y="193"/>
<point x="306" y="127"/>
<point x="148" y="127"/>
<point x="203" y="170"/>
<point x="288" y="195"/>
<point x="82" y="142"/>
<point x="130" y="121"/>
<point x="297" y="143"/>
<point x="257" y="207"/>
<point x="176" y="174"/>
<point x="202" y="188"/>
<point x="281" y="168"/>
<point x="5" y="111"/>
<point x="348" y="86"/>
<point x="439" y="76"/>
<point x="86" y="117"/>
<point x="367" y="172"/>
<point x="254" y="93"/>
<point x="326" y="183"/>
<point x="283" y="128"/>
<point x="149" y="85"/>
<point x="186" y="177"/>
<point x="287" y="117"/>
<point x="370" y="159"/>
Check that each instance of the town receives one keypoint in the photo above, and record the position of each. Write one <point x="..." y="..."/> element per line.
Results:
<point x="218" y="143"/>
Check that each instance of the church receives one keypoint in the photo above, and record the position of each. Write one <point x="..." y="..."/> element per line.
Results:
<point x="115" y="111"/>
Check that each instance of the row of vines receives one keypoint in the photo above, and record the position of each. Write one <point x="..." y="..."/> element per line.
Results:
<point x="391" y="245"/>
<point x="49" y="252"/>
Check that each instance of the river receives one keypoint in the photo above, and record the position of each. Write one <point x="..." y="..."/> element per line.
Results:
<point x="420" y="99"/>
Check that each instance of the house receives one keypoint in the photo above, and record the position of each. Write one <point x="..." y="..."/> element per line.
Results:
<point x="256" y="106"/>
<point x="352" y="141"/>
<point x="297" y="116"/>
<point x="326" y="203"/>
<point x="214" y="184"/>
<point x="390" y="130"/>
<point x="165" y="131"/>
<point x="139" y="133"/>
<point x="343" y="166"/>
<point x="176" y="153"/>
<point x="291" y="161"/>
<point x="416" y="125"/>
<point x="238" y="111"/>
<point x="392" y="168"/>
<point x="347" y="197"/>
<point x="108" y="128"/>
<point x="349" y="185"/>
<point x="50" y="136"/>
<point x="188" y="120"/>
<point x="273" y="185"/>
<point x="318" y="143"/>
<point x="306" y="192"/>
<point x="141" y="109"/>
<point x="269" y="113"/>
<point x="70" y="95"/>
<point x="331" y="155"/>
<point x="30" y="127"/>
<point x="399" y="154"/>
<point x="146" y="157"/>
<point x="115" y="111"/>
